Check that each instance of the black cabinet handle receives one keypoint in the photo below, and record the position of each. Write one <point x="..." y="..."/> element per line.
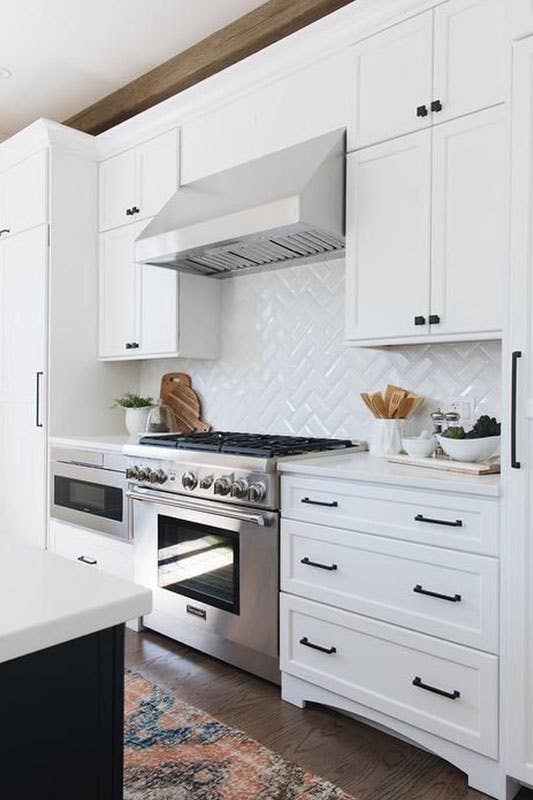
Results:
<point x="453" y="598"/>
<point x="419" y="320"/>
<point x="310" y="502"/>
<point x="457" y="524"/>
<point x="515" y="464"/>
<point x="128" y="345"/>
<point x="129" y="212"/>
<point x="308" y="563"/>
<point x="38" y="376"/>
<point x="434" y="319"/>
<point x="436" y="105"/>
<point x="132" y="345"/>
<point x="85" y="560"/>
<point x="422" y="111"/>
<point x="135" y="210"/>
<point x="329" y="650"/>
<point x="4" y="230"/>
<point x="451" y="695"/>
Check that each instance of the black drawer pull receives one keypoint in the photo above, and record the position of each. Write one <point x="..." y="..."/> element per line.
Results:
<point x="329" y="650"/>
<point x="434" y="319"/>
<point x="309" y="502"/>
<point x="443" y="693"/>
<point x="515" y="463"/>
<point x="436" y="105"/>
<point x="329" y="567"/>
<point x="420" y="320"/>
<point x="422" y="111"/>
<point x="4" y="230"/>
<point x="453" y="598"/>
<point x="457" y="524"/>
<point x="85" y="560"/>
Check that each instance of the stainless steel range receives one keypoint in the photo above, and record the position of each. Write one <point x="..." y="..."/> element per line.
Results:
<point x="206" y="531"/>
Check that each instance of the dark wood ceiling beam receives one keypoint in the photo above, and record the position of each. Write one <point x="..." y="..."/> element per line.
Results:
<point x="267" y="24"/>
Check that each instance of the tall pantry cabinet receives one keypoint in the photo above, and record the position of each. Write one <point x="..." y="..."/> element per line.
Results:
<point x="50" y="381"/>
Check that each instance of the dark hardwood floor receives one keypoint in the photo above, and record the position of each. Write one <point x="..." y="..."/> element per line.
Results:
<point x="364" y="762"/>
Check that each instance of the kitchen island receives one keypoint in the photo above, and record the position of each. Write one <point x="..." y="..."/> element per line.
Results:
<point x="62" y="675"/>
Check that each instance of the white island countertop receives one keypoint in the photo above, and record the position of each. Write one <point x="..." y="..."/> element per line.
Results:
<point x="364" y="467"/>
<point x="47" y="599"/>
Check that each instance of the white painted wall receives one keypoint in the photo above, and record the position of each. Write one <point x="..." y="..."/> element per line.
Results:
<point x="284" y="367"/>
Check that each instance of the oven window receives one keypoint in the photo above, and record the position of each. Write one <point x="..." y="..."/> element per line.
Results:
<point x="199" y="561"/>
<point x="90" y="498"/>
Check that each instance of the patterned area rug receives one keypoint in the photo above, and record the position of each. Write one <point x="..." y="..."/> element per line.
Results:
<point x="176" y="752"/>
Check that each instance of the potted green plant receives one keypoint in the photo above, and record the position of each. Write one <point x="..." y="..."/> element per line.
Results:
<point x="137" y="409"/>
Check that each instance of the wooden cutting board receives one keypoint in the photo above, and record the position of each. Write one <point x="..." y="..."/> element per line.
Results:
<point x="466" y="467"/>
<point x="178" y="394"/>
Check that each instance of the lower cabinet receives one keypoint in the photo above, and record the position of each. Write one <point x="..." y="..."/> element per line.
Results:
<point x="152" y="312"/>
<point x="91" y="548"/>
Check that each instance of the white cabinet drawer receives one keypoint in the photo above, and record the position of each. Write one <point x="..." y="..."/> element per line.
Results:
<point x="448" y="520"/>
<point x="98" y="552"/>
<point x="398" y="672"/>
<point x="394" y="581"/>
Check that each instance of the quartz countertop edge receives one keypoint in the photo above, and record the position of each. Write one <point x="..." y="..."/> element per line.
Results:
<point x="370" y="469"/>
<point x="48" y="599"/>
<point x="108" y="443"/>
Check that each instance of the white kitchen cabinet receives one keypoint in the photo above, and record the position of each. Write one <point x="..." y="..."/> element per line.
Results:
<point x="92" y="549"/>
<point x="470" y="224"/>
<point x="388" y="217"/>
<point x="23" y="194"/>
<point x="431" y="68"/>
<point x="23" y="288"/>
<point x="148" y="312"/>
<point x="136" y="184"/>
<point x="393" y="82"/>
<point x="399" y="289"/>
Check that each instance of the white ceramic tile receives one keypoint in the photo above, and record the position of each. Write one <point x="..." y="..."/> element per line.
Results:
<point x="284" y="367"/>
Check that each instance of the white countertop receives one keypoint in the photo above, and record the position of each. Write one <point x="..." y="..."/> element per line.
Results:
<point x="364" y="467"/>
<point x="114" y="444"/>
<point x="47" y="599"/>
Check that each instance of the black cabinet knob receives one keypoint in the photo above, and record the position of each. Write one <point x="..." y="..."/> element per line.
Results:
<point x="4" y="230"/>
<point x="128" y="345"/>
<point x="419" y="320"/>
<point x="422" y="111"/>
<point x="434" y="319"/>
<point x="135" y="210"/>
<point x="436" y="105"/>
<point x="129" y="212"/>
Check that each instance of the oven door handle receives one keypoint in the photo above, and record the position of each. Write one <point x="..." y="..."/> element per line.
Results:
<point x="257" y="519"/>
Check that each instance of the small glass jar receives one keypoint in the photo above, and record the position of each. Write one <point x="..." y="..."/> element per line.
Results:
<point x="161" y="419"/>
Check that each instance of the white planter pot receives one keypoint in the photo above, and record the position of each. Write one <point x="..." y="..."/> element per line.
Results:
<point x="135" y="419"/>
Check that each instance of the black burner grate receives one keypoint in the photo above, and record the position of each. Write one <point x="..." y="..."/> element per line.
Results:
<point x="246" y="444"/>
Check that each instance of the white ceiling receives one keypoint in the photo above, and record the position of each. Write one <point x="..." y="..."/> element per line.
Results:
<point x="66" y="54"/>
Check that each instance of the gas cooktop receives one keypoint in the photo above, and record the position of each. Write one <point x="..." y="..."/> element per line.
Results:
<point x="246" y="444"/>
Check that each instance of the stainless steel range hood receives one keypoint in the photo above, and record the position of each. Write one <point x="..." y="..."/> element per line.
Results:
<point x="284" y="208"/>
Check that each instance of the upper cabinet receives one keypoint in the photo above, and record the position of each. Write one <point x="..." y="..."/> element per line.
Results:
<point x="427" y="233"/>
<point x="436" y="66"/>
<point x="136" y="184"/>
<point x="23" y="194"/>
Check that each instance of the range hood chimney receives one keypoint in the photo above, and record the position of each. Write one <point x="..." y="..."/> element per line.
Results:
<point x="278" y="210"/>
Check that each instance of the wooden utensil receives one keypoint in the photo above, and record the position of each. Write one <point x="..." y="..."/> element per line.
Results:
<point x="368" y="403"/>
<point x="394" y="404"/>
<point x="177" y="392"/>
<point x="378" y="405"/>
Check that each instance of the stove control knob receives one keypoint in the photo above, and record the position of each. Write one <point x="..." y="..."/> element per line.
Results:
<point x="257" y="492"/>
<point x="206" y="482"/>
<point x="143" y="474"/>
<point x="222" y="486"/>
<point x="153" y="476"/>
<point x="239" y="489"/>
<point x="189" y="481"/>
<point x="160" y="476"/>
<point x="132" y="473"/>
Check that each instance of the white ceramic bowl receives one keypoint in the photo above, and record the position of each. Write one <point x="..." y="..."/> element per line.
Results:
<point x="470" y="449"/>
<point x="419" y="448"/>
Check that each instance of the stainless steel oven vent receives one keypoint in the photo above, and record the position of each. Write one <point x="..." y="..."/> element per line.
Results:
<point x="277" y="210"/>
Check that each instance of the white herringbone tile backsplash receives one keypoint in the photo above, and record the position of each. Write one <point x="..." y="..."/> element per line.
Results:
<point x="284" y="368"/>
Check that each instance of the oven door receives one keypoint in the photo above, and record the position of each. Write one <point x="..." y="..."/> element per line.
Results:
<point x="214" y="572"/>
<point x="91" y="497"/>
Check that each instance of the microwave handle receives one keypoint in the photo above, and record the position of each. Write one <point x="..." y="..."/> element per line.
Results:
<point x="257" y="519"/>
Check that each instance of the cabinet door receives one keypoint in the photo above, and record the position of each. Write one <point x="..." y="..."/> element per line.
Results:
<point x="157" y="175"/>
<point x="393" y="82"/>
<point x="388" y="239"/>
<point x="117" y="190"/>
<point x="158" y="288"/>
<point x="23" y="297"/>
<point x="521" y="18"/>
<point x="25" y="194"/>
<point x="117" y="292"/>
<point x="470" y="57"/>
<point x="470" y="223"/>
